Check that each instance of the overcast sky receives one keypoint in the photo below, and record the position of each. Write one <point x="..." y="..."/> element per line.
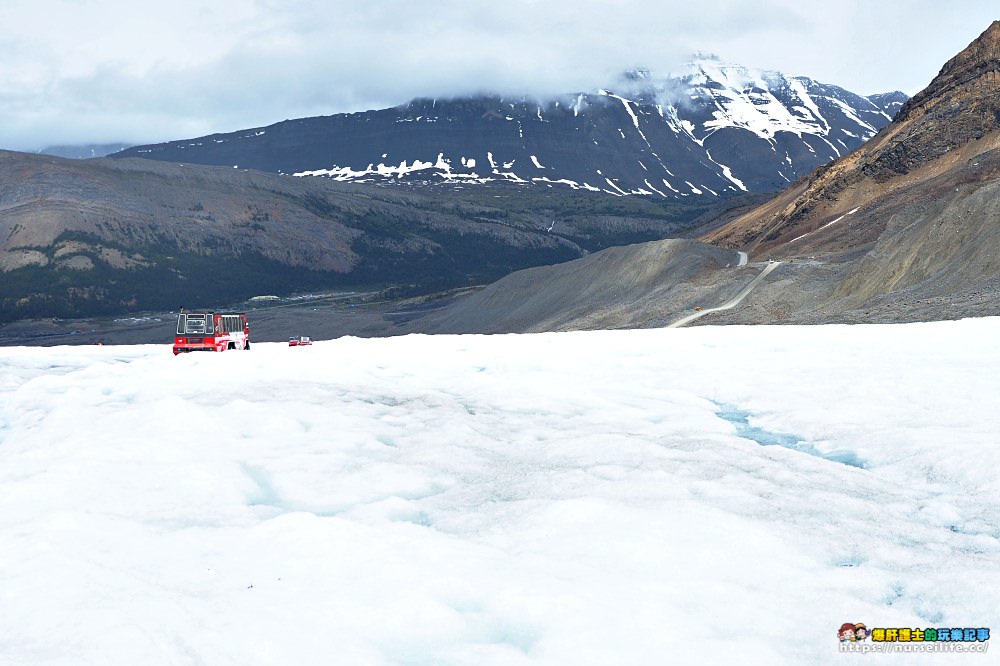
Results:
<point x="95" y="71"/>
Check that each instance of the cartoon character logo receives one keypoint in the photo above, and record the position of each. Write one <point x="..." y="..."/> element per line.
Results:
<point x="860" y="632"/>
<point x="847" y="633"/>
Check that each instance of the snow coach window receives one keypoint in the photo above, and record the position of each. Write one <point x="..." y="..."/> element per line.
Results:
<point x="188" y="324"/>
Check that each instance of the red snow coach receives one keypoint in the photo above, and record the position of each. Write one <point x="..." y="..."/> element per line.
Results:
<point x="211" y="331"/>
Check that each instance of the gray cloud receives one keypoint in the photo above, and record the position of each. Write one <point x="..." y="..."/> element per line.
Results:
<point x="110" y="70"/>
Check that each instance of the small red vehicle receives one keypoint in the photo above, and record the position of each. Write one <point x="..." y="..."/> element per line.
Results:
<point x="211" y="331"/>
<point x="300" y="341"/>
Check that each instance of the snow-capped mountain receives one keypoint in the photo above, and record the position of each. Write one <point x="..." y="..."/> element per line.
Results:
<point x="717" y="129"/>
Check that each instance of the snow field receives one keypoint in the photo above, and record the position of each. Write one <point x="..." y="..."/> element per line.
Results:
<point x="570" y="498"/>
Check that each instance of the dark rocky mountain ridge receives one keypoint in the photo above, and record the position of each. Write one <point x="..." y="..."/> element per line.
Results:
<point x="715" y="131"/>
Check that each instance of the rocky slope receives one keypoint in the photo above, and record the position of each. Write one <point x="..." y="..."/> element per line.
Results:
<point x="914" y="209"/>
<point x="102" y="236"/>
<point x="941" y="130"/>
<point x="622" y="287"/>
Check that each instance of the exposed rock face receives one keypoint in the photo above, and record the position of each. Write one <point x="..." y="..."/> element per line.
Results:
<point x="959" y="106"/>
<point x="970" y="74"/>
<point x="954" y="119"/>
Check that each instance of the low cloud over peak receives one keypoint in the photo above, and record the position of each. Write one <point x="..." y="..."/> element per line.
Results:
<point x="109" y="71"/>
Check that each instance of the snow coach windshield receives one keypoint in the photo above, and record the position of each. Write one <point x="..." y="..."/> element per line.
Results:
<point x="190" y="324"/>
